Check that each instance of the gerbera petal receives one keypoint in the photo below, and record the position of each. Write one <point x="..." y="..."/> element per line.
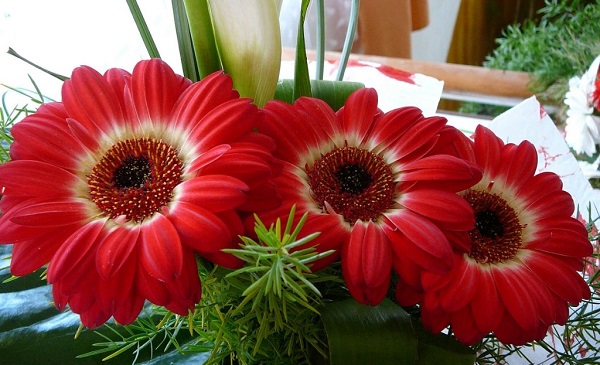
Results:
<point x="358" y="112"/>
<point x="155" y="88"/>
<point x="278" y="117"/>
<point x="465" y="283"/>
<point x="487" y="149"/>
<point x="423" y="133"/>
<point x="14" y="233"/>
<point x="558" y="277"/>
<point x="464" y="327"/>
<point x="558" y="204"/>
<point x="456" y="174"/>
<point x="520" y="164"/>
<point x="321" y="118"/>
<point x="118" y="79"/>
<point x="486" y="306"/>
<point x="433" y="318"/>
<point x="160" y="249"/>
<point x="208" y="157"/>
<point x="60" y="212"/>
<point x="35" y="178"/>
<point x="367" y="263"/>
<point x="82" y="135"/>
<point x="228" y="122"/>
<point x="47" y="138"/>
<point x="442" y="206"/>
<point x="186" y="291"/>
<point x="81" y="101"/>
<point x="152" y="288"/>
<point x="563" y="240"/>
<point x="250" y="169"/>
<point x="76" y="248"/>
<point x="419" y="258"/>
<point x="454" y="142"/>
<point x="115" y="250"/>
<point x="393" y="125"/>
<point x="516" y="296"/>
<point x="261" y="198"/>
<point x="199" y="228"/>
<point x="214" y="192"/>
<point x="202" y="97"/>
<point x="422" y="233"/>
<point x="31" y="255"/>
<point x="531" y="192"/>
<point x="93" y="316"/>
<point x="128" y="311"/>
<point x="118" y="290"/>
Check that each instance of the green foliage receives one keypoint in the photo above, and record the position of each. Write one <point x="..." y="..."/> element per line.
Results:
<point x="265" y="312"/>
<point x="561" y="44"/>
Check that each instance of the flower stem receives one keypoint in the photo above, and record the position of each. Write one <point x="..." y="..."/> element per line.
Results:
<point x="351" y="32"/>
<point x="320" y="39"/>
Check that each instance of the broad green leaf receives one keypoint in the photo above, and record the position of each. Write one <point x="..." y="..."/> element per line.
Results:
<point x="184" y="41"/>
<point x="333" y="93"/>
<point x="203" y="37"/>
<point x="360" y="334"/>
<point x="436" y="349"/>
<point x="248" y="39"/>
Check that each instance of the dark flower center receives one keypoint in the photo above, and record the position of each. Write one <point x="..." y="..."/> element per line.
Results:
<point x="135" y="178"/>
<point x="355" y="182"/>
<point x="353" y="179"/>
<point x="133" y="173"/>
<point x="497" y="235"/>
<point x="488" y="224"/>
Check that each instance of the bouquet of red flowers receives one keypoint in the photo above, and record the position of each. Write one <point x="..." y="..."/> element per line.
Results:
<point x="282" y="222"/>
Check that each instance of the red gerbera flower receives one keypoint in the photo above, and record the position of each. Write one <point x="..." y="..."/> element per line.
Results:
<point x="375" y="185"/>
<point x="118" y="186"/>
<point x="521" y="271"/>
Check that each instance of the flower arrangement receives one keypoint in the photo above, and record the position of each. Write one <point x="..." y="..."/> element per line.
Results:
<point x="320" y="229"/>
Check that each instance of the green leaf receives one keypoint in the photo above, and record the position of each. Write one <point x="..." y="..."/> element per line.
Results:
<point x="301" y="75"/>
<point x="12" y="52"/>
<point x="140" y="22"/>
<point x="184" y="41"/>
<point x="333" y="93"/>
<point x="435" y="349"/>
<point x="203" y="37"/>
<point x="360" y="334"/>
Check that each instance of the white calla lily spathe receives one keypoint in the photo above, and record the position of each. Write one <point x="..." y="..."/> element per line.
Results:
<point x="250" y="45"/>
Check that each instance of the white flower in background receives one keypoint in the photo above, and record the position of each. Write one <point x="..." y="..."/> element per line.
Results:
<point x="583" y="128"/>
